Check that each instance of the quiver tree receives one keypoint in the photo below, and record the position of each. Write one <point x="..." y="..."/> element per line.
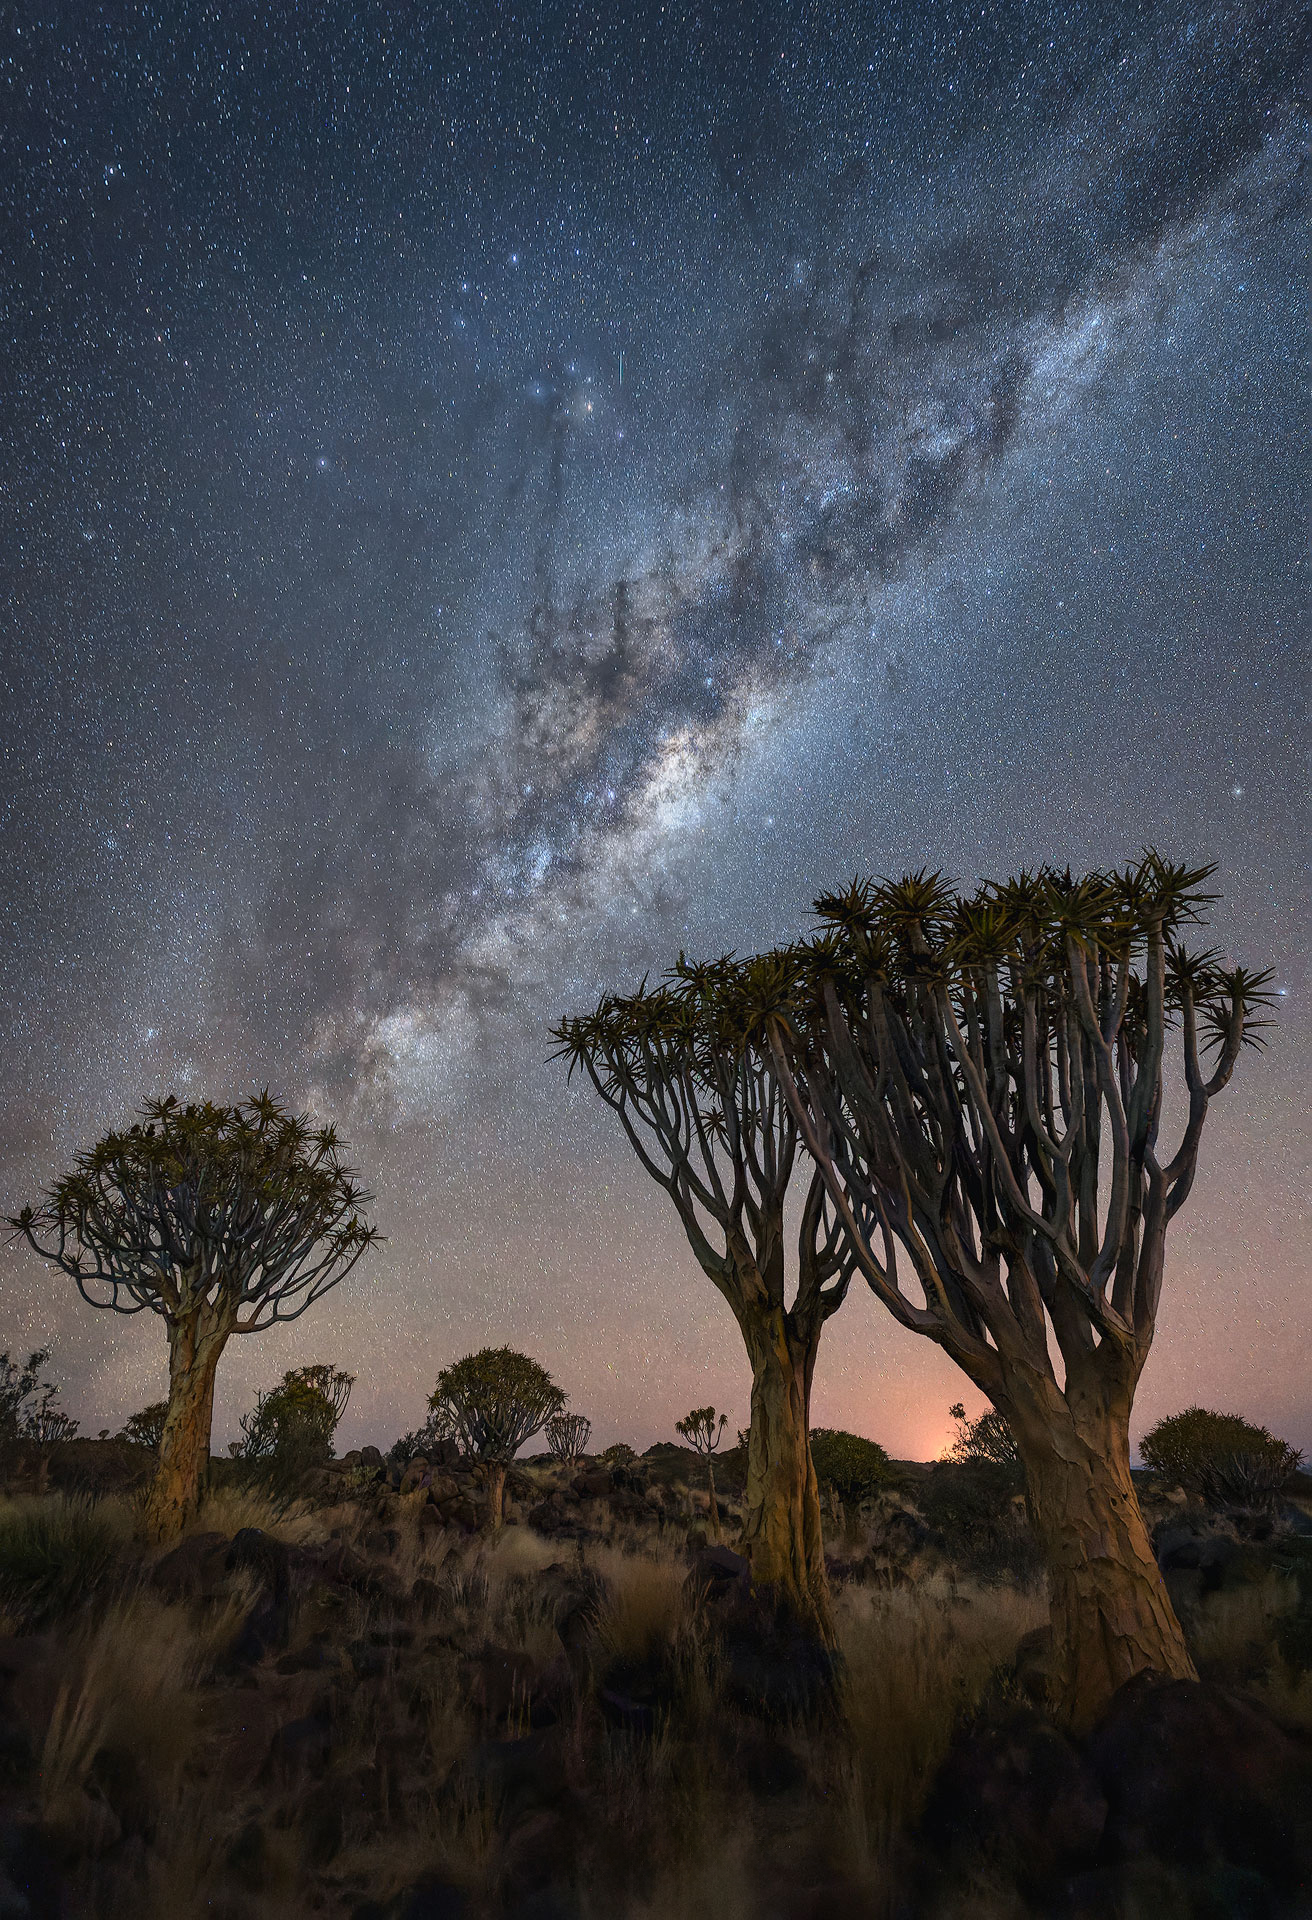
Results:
<point x="568" y="1435"/>
<point x="981" y="1082"/>
<point x="699" y="1100"/>
<point x="495" y="1401"/>
<point x="701" y="1430"/>
<point x="221" y="1220"/>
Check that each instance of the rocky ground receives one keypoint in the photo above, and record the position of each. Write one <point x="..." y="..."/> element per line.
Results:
<point x="355" y="1704"/>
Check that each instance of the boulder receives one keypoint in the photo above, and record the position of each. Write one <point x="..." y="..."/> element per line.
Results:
<point x="596" y="1484"/>
<point x="193" y="1570"/>
<point x="1019" y="1794"/>
<point x="1194" y="1773"/>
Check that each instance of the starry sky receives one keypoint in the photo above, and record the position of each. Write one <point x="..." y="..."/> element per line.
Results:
<point x="493" y="495"/>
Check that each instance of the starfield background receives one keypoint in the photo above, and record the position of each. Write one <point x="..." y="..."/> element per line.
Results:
<point x="492" y="500"/>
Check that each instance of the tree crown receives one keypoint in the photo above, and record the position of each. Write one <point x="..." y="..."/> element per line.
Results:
<point x="703" y="1428"/>
<point x="248" y="1209"/>
<point x="495" y="1400"/>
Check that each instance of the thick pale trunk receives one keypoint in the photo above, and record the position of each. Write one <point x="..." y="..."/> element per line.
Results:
<point x="782" y="1534"/>
<point x="1111" y="1616"/>
<point x="184" y="1448"/>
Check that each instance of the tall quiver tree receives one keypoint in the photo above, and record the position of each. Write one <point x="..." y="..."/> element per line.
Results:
<point x="701" y="1105"/>
<point x="222" y="1220"/>
<point x="981" y="1081"/>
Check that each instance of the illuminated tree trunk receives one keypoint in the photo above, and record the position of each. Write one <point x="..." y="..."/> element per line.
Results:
<point x="182" y="1472"/>
<point x="1110" y="1612"/>
<point x="782" y="1534"/>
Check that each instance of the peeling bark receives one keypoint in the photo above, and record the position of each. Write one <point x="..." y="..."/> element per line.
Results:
<point x="1111" y="1615"/>
<point x="782" y="1534"/>
<point x="182" y="1472"/>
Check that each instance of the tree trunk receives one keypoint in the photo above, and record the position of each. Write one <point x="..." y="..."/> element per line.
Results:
<point x="714" y="1528"/>
<point x="782" y="1534"/>
<point x="496" y="1494"/>
<point x="1111" y="1615"/>
<point x="182" y="1471"/>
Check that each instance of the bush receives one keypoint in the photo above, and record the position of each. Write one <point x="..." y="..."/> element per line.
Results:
<point x="146" y="1428"/>
<point x="972" y="1507"/>
<point x="290" y="1432"/>
<point x="1220" y="1455"/>
<point x="29" y="1408"/>
<point x="54" y="1554"/>
<point x="619" y="1455"/>
<point x="988" y="1438"/>
<point x="848" y="1464"/>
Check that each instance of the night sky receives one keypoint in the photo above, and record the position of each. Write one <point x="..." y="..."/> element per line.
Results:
<point x="492" y="496"/>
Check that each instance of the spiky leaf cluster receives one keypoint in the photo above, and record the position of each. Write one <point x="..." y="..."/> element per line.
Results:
<point x="703" y="1428"/>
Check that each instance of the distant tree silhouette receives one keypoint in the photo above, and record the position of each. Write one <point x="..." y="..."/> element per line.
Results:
<point x="29" y="1407"/>
<point x="221" y="1220"/>
<point x="698" y="1097"/>
<point x="495" y="1401"/>
<point x="700" y="1429"/>
<point x="980" y="1080"/>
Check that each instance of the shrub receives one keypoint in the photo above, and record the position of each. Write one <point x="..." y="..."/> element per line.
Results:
<point x="988" y="1438"/>
<point x="290" y="1432"/>
<point x="29" y="1408"/>
<point x="144" y="1429"/>
<point x="621" y="1454"/>
<point x="1218" y="1454"/>
<point x="981" y="1525"/>
<point x="54" y="1554"/>
<point x="849" y="1464"/>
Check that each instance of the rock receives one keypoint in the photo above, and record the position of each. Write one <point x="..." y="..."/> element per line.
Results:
<point x="371" y="1457"/>
<point x="316" y="1655"/>
<point x="597" y="1484"/>
<point x="1195" y="1774"/>
<point x="265" y="1556"/>
<point x="416" y="1476"/>
<point x="301" y="1747"/>
<point x="263" y="1629"/>
<point x="719" y="1572"/>
<point x="1018" y="1793"/>
<point x="771" y="1767"/>
<point x="193" y="1570"/>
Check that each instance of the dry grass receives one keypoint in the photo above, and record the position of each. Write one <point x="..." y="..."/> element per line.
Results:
<point x="919" y="1659"/>
<point x="646" y="1606"/>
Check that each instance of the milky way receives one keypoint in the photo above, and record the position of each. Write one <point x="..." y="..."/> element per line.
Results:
<point x="488" y="505"/>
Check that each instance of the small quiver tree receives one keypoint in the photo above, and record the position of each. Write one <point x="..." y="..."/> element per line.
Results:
<point x="981" y="1082"/>
<point x="221" y="1220"/>
<point x="702" y="1430"/>
<point x="495" y="1401"/>
<point x="568" y="1435"/>
<point x="684" y="1069"/>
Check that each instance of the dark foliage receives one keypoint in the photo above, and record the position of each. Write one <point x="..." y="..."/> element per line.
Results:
<point x="854" y="1467"/>
<point x="974" y="1509"/>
